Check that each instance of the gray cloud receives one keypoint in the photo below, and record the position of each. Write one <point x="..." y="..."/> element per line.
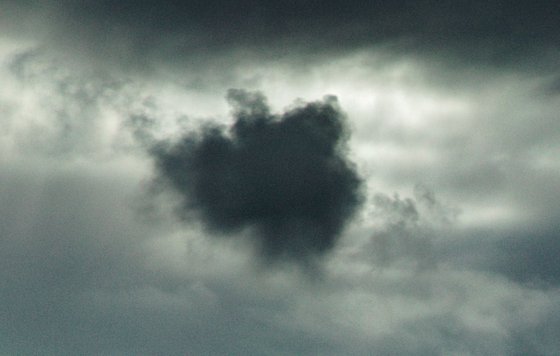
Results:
<point x="525" y="255"/>
<point x="81" y="275"/>
<point x="459" y="95"/>
<point x="65" y="110"/>
<point x="407" y="230"/>
<point x="284" y="176"/>
<point x="143" y="33"/>
<point x="64" y="234"/>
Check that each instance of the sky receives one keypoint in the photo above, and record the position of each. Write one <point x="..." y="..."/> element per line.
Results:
<point x="279" y="177"/>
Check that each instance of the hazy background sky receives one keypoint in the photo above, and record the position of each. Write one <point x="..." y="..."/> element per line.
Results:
<point x="279" y="177"/>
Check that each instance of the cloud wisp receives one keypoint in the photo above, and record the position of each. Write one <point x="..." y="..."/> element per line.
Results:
<point x="284" y="177"/>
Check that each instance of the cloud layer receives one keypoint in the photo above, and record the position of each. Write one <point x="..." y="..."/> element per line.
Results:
<point x="453" y="158"/>
<point x="145" y="34"/>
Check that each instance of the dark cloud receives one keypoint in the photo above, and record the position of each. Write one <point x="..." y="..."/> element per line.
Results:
<point x="140" y="31"/>
<point x="250" y="20"/>
<point x="284" y="176"/>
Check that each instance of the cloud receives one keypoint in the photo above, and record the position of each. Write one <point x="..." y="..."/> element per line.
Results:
<point x="531" y="257"/>
<point x="525" y="255"/>
<point x="406" y="230"/>
<point x="143" y="34"/>
<point x="88" y="271"/>
<point x="283" y="176"/>
<point x="67" y="111"/>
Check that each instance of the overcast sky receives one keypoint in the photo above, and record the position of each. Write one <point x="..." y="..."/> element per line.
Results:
<point x="279" y="177"/>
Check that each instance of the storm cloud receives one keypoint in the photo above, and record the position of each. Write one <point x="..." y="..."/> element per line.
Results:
<point x="145" y="34"/>
<point x="286" y="176"/>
